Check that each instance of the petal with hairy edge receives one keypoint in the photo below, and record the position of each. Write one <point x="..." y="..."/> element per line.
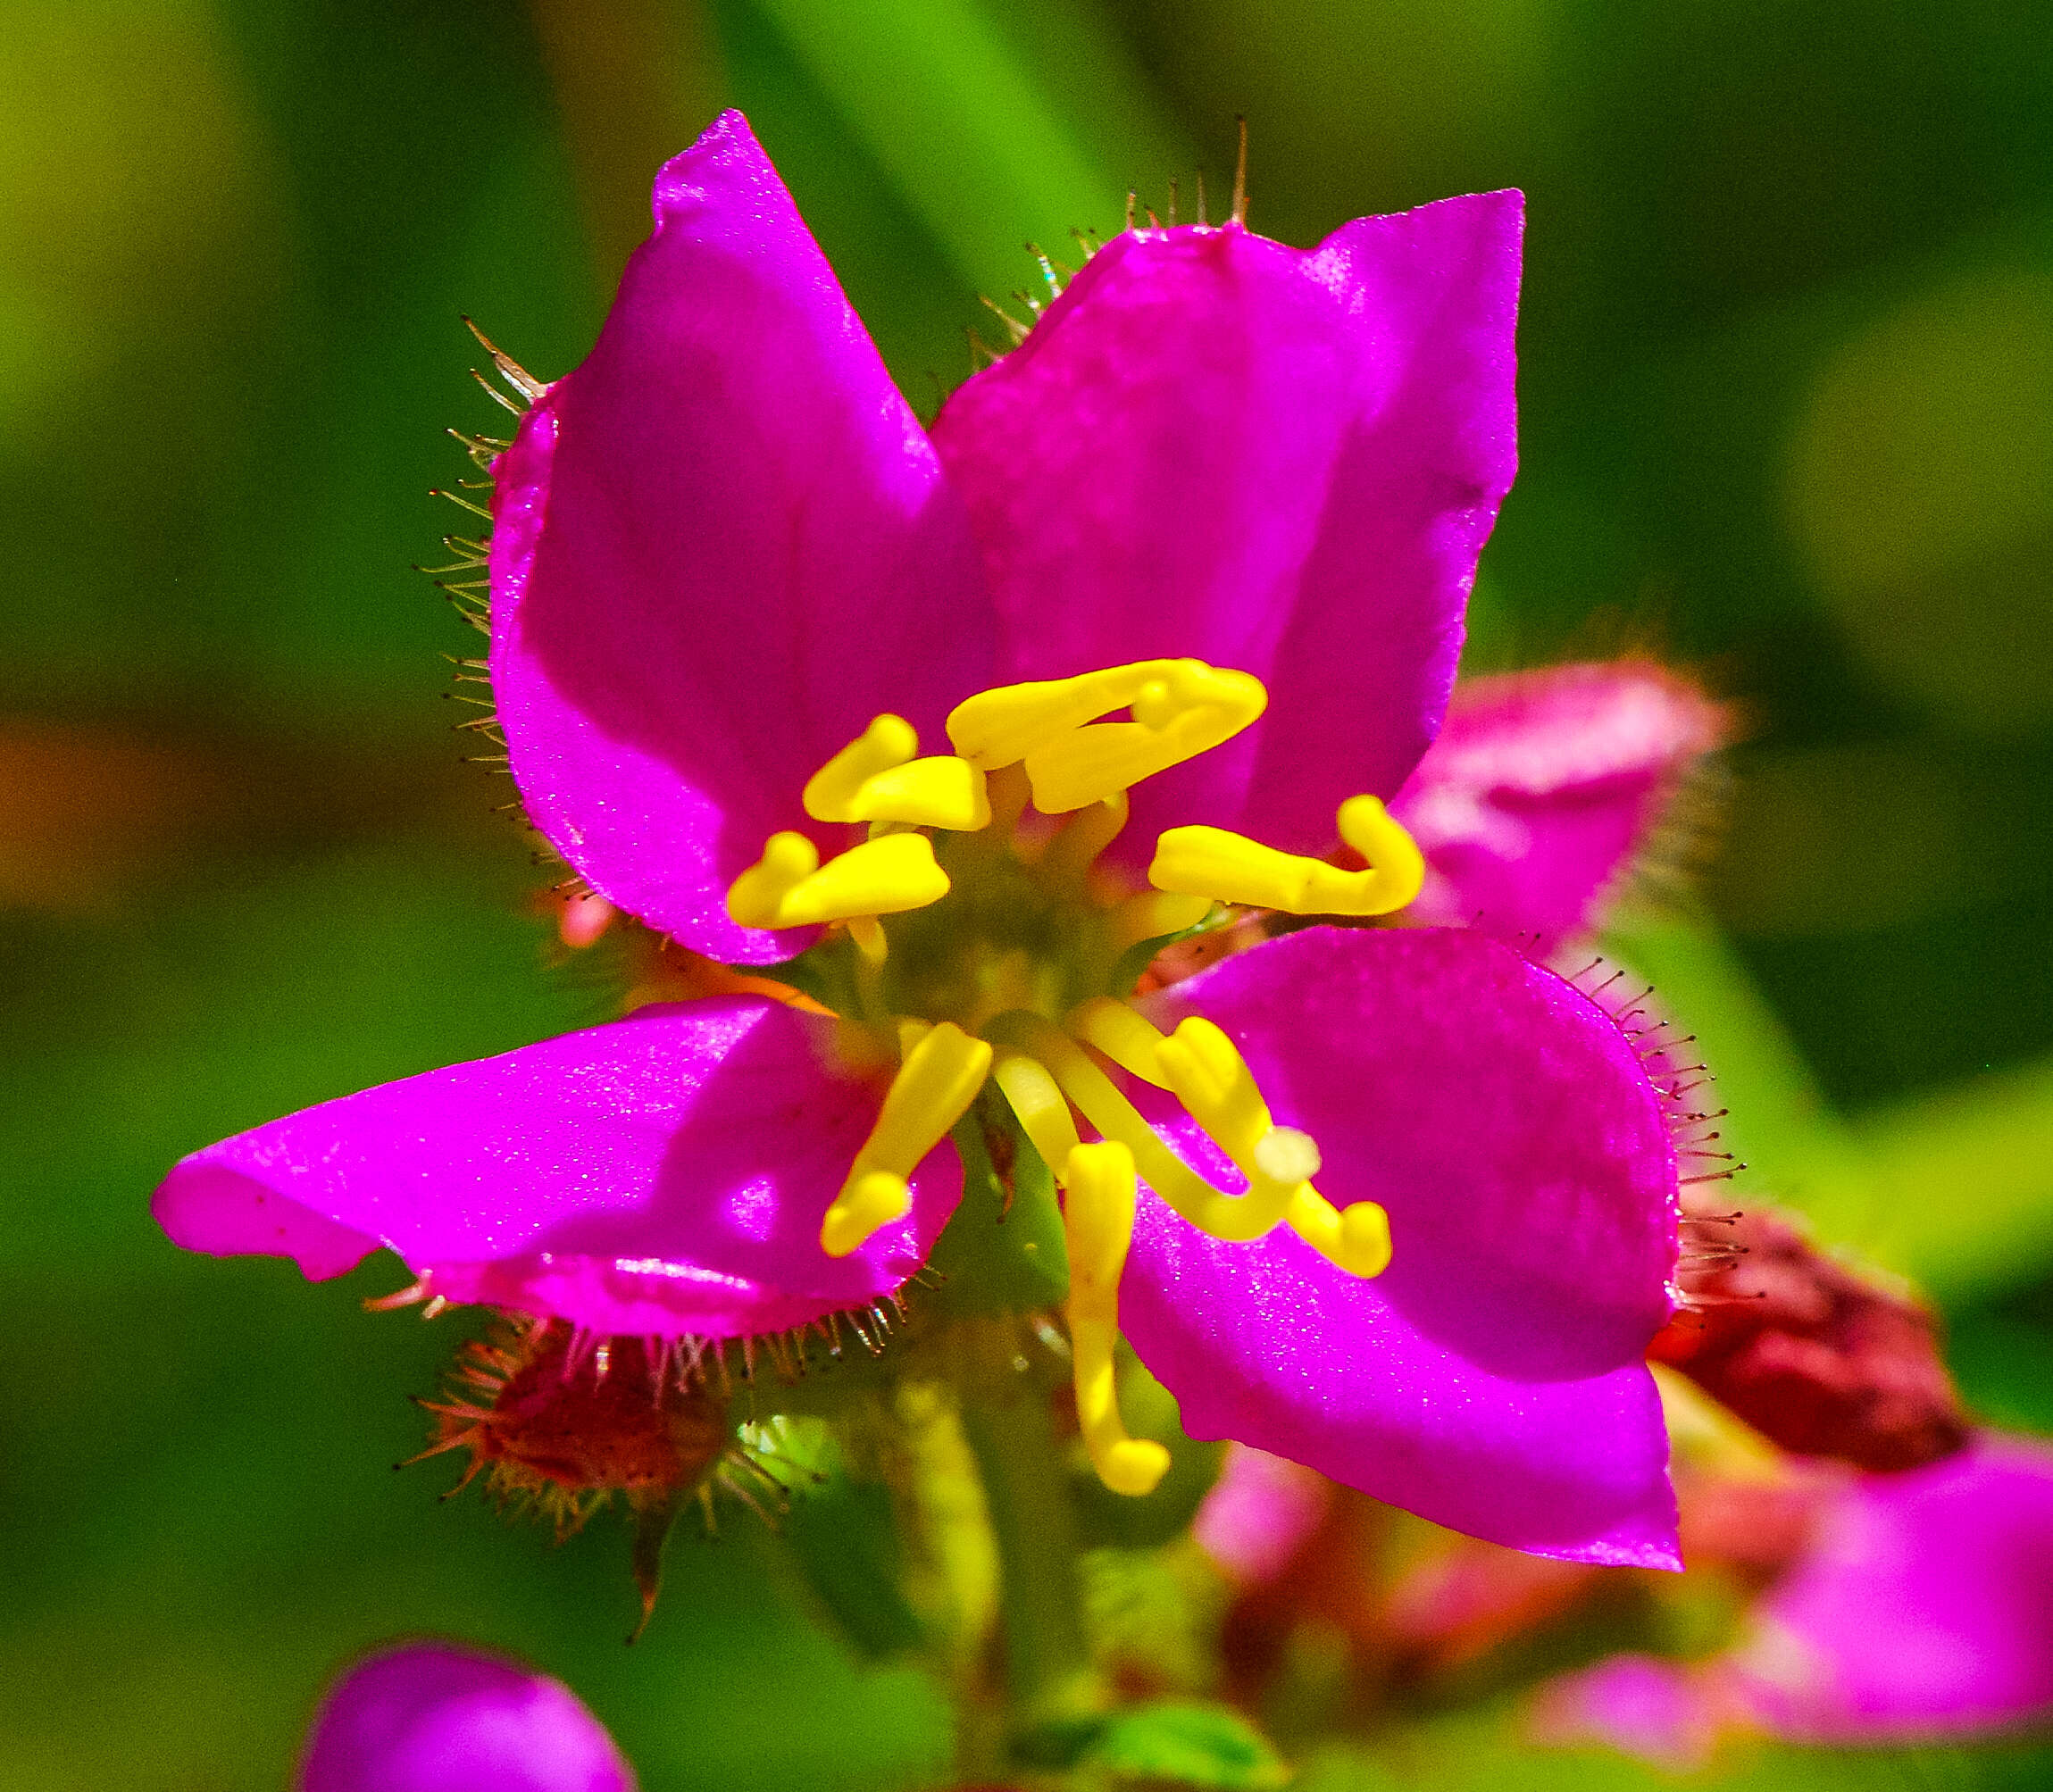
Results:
<point x="1491" y="1379"/>
<point x="431" y="1717"/>
<point x="1923" y="1608"/>
<point x="1543" y="789"/>
<point x="665" y="1174"/>
<point x="720" y="546"/>
<point x="1279" y="460"/>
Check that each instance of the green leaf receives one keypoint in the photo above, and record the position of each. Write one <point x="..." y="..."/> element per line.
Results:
<point x="974" y="136"/>
<point x="844" y="1541"/>
<point x="1183" y="1743"/>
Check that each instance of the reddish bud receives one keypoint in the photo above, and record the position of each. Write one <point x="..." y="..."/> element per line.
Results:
<point x="1814" y="1357"/>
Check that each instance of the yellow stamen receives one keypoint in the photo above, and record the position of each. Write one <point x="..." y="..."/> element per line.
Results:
<point x="1097" y="1223"/>
<point x="943" y="1070"/>
<point x="1181" y="708"/>
<point x="1208" y="1075"/>
<point x="1000" y="727"/>
<point x="1235" y="1217"/>
<point x="1230" y="868"/>
<point x="875" y="778"/>
<point x="1357" y="1240"/>
<point x="1205" y="1071"/>
<point x="1126" y="1038"/>
<point x="1042" y="1110"/>
<point x="789" y="886"/>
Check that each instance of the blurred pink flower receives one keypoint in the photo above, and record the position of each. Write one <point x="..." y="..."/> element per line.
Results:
<point x="1545" y="790"/>
<point x="1921" y="1609"/>
<point x="432" y="1717"/>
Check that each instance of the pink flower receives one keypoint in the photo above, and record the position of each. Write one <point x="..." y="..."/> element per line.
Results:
<point x="1541" y="794"/>
<point x="1920" y="1610"/>
<point x="430" y="1717"/>
<point x="1230" y="489"/>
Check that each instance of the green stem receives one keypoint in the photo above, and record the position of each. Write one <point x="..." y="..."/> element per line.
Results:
<point x="1050" y="1686"/>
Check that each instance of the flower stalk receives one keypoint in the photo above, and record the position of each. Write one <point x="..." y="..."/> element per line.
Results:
<point x="1050" y="1690"/>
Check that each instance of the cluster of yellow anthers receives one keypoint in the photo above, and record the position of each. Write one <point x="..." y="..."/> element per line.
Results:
<point x="1048" y="738"/>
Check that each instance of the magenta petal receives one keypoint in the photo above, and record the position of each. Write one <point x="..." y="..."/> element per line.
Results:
<point x="1924" y="1609"/>
<point x="1492" y="1378"/>
<point x="432" y="1718"/>
<point x="1543" y="786"/>
<point x="665" y="1174"/>
<point x="1278" y="460"/>
<point x="721" y="547"/>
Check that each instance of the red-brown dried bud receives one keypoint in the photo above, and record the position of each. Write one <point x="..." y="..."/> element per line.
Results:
<point x="1814" y="1357"/>
<point x="561" y="1422"/>
<point x="568" y="1423"/>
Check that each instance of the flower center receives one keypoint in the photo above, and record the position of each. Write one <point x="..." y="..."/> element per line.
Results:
<point x="984" y="939"/>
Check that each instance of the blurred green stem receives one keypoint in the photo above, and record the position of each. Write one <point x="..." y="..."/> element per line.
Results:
<point x="1049" y="1684"/>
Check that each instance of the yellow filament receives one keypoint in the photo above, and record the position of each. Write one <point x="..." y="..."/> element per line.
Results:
<point x="943" y="1070"/>
<point x="1073" y="851"/>
<point x="1181" y="708"/>
<point x="1150" y="914"/>
<point x="1230" y="868"/>
<point x="789" y="886"/>
<point x="1235" y="1217"/>
<point x="1097" y="1224"/>
<point x="1039" y="1106"/>
<point x="876" y="779"/>
<point x="1122" y="1035"/>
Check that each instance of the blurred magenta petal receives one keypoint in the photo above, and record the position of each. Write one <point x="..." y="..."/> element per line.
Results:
<point x="1259" y="1512"/>
<point x="720" y="546"/>
<point x="1492" y="1378"/>
<point x="433" y="1718"/>
<point x="665" y="1174"/>
<point x="1542" y="787"/>
<point x="1923" y="1610"/>
<point x="1283" y="460"/>
<point x="1658" y="1710"/>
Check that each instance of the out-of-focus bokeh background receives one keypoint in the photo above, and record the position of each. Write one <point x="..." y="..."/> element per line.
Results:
<point x="1788" y="417"/>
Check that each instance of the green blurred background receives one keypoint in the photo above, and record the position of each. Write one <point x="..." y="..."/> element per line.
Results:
<point x="1787" y="406"/>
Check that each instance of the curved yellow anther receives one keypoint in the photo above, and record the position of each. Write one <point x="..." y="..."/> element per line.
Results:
<point x="1208" y="1075"/>
<point x="1196" y="708"/>
<point x="1097" y="1224"/>
<point x="1181" y="708"/>
<point x="942" y="1072"/>
<point x="1356" y="1240"/>
<point x="889" y="741"/>
<point x="876" y="779"/>
<point x="1230" y="868"/>
<point x="1000" y="727"/>
<point x="789" y="886"/>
